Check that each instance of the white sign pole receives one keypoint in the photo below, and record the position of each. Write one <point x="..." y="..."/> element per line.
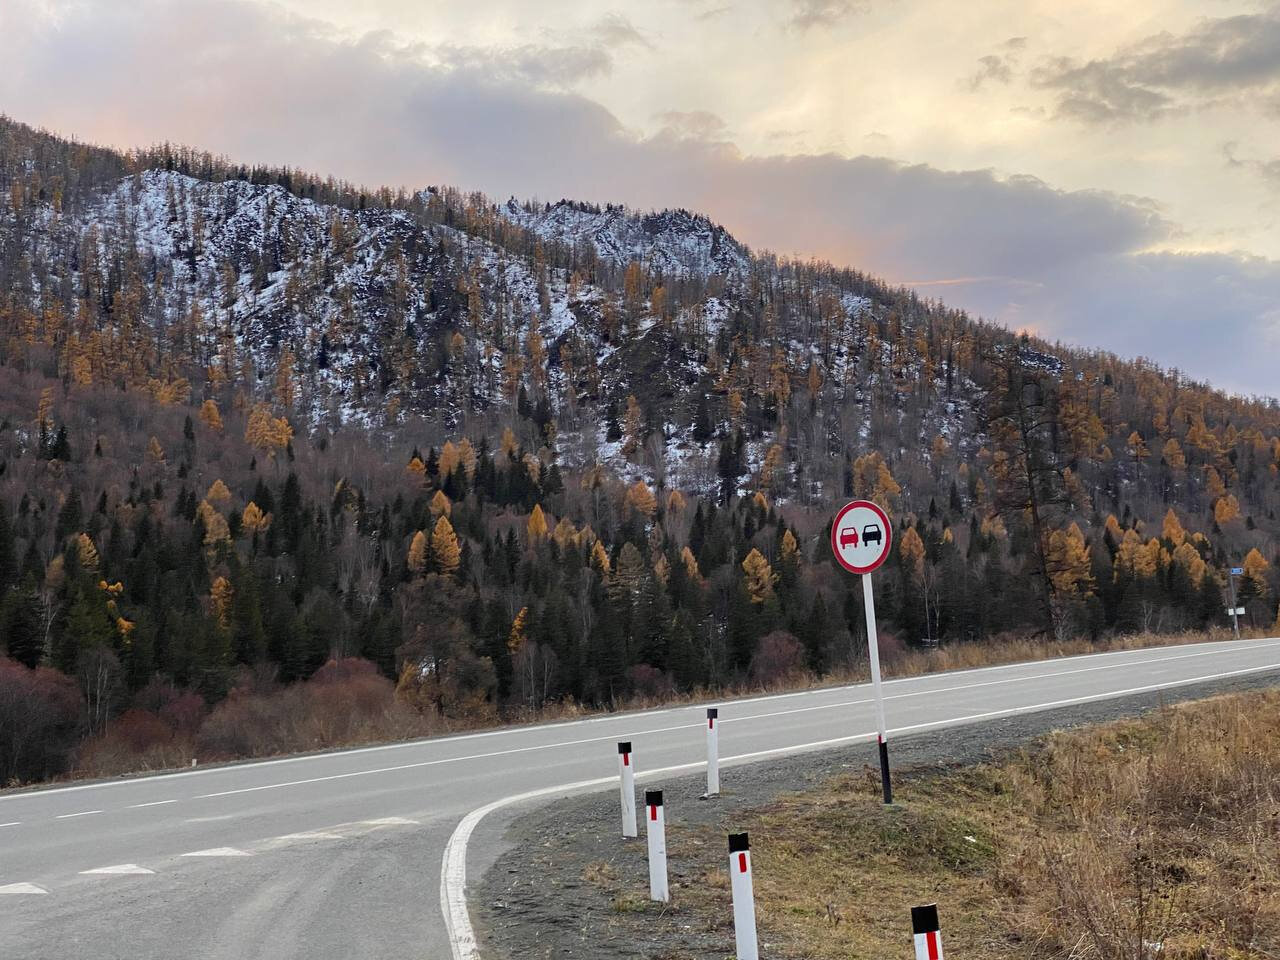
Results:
<point x="744" y="898"/>
<point x="873" y="649"/>
<point x="627" y="785"/>
<point x="1235" y="611"/>
<point x="713" y="752"/>
<point x="655" y="827"/>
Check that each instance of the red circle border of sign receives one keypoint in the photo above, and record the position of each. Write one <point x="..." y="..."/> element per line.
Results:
<point x="888" y="539"/>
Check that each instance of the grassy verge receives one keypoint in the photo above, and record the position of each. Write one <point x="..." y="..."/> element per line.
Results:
<point x="1150" y="838"/>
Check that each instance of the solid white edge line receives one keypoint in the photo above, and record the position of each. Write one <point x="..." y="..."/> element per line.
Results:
<point x="532" y="748"/>
<point x="1215" y="645"/>
<point x="453" y="866"/>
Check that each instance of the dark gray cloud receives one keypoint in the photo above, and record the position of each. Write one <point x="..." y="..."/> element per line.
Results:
<point x="996" y="67"/>
<point x="243" y="80"/>
<point x="1222" y="59"/>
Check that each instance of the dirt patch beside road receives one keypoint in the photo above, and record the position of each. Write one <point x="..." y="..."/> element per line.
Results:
<point x="568" y="888"/>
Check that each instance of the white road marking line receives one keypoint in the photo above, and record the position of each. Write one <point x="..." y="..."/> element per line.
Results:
<point x="684" y="726"/>
<point x="82" y="813"/>
<point x="12" y="823"/>
<point x="22" y="888"/>
<point x="218" y="852"/>
<point x="391" y="822"/>
<point x="1140" y="656"/>
<point x="453" y="866"/>
<point x="120" y="869"/>
<point x="153" y="803"/>
<point x="306" y="835"/>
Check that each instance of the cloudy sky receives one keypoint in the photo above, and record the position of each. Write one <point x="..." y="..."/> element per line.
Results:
<point x="1107" y="173"/>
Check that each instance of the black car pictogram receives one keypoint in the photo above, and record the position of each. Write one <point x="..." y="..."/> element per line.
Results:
<point x="871" y="534"/>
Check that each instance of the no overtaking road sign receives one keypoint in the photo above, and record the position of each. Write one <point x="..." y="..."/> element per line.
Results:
<point x="860" y="536"/>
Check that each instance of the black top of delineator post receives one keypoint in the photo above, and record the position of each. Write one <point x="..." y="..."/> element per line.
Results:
<point x="624" y="746"/>
<point x="653" y="798"/>
<point x="738" y="843"/>
<point x="713" y="712"/>
<point x="924" y="919"/>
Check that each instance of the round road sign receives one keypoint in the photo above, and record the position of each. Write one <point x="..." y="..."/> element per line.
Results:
<point x="860" y="536"/>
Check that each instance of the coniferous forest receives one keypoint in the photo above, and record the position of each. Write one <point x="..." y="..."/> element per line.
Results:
<point x="288" y="462"/>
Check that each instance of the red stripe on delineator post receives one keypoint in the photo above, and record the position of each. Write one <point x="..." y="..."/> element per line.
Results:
<point x="627" y="790"/>
<point x="713" y="752"/>
<point x="656" y="838"/>
<point x="744" y="904"/>
<point x="926" y="932"/>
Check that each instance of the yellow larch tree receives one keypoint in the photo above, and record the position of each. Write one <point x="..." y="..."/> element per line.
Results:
<point x="517" y="638"/>
<point x="253" y="520"/>
<point x="1255" y="571"/>
<point x="911" y="553"/>
<point x="86" y="552"/>
<point x="760" y="577"/>
<point x="221" y="595"/>
<point x="1173" y="530"/>
<point x="537" y="525"/>
<point x="641" y="499"/>
<point x="1067" y="560"/>
<point x="440" y="505"/>
<point x="445" y="552"/>
<point x="218" y="493"/>
<point x="210" y="416"/>
<point x="419" y="547"/>
<point x="690" y="565"/>
<point x="600" y="559"/>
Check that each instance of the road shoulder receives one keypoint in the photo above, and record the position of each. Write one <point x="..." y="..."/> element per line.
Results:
<point x="533" y="900"/>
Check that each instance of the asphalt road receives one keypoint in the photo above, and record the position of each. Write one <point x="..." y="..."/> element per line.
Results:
<point x="338" y="855"/>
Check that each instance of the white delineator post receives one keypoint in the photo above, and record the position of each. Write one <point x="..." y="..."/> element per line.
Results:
<point x="924" y="928"/>
<point x="627" y="785"/>
<point x="744" y="898"/>
<point x="873" y="649"/>
<point x="713" y="752"/>
<point x="655" y="828"/>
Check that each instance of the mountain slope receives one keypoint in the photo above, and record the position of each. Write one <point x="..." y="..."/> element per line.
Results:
<point x="237" y="404"/>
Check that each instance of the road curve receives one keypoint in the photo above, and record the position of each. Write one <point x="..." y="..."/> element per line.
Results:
<point x="325" y="856"/>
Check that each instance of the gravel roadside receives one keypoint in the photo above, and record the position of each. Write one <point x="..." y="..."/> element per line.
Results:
<point x="539" y="899"/>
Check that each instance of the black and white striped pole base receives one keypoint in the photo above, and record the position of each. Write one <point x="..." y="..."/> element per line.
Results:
<point x="627" y="786"/>
<point x="924" y="927"/>
<point x="655" y="826"/>
<point x="744" y="898"/>
<point x="713" y="752"/>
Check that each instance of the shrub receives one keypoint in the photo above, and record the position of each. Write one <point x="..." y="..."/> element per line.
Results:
<point x="41" y="716"/>
<point x="779" y="657"/>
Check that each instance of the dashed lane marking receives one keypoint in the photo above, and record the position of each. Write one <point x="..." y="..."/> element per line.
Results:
<point x="22" y="888"/>
<point x="82" y="813"/>
<point x="153" y="803"/>
<point x="120" y="869"/>
<point x="12" y="823"/>
<point x="217" y="852"/>
<point x="306" y="835"/>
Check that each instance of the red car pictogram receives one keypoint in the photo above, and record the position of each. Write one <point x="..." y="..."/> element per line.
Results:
<point x="849" y="537"/>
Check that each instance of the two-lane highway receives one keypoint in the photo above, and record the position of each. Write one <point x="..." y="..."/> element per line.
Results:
<point x="326" y="856"/>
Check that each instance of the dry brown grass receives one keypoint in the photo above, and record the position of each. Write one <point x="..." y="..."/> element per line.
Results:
<point x="1150" y="838"/>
